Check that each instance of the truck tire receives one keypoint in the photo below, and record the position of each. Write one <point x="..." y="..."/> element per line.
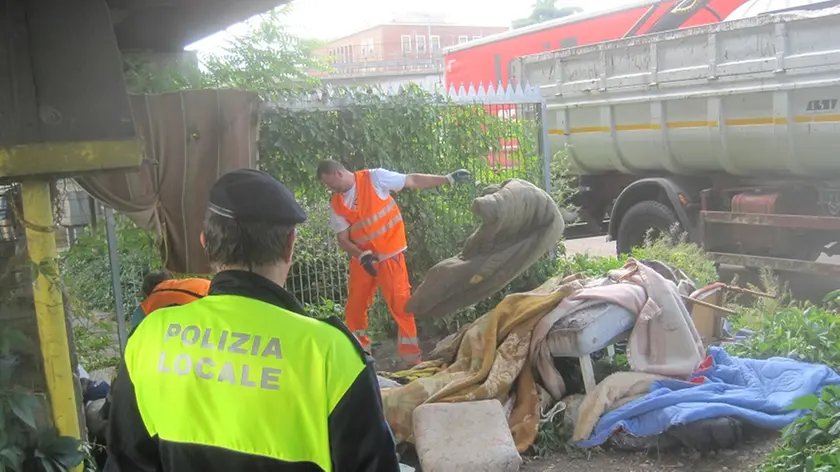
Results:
<point x="639" y="219"/>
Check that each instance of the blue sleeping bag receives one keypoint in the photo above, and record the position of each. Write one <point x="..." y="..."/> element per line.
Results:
<point x="754" y="391"/>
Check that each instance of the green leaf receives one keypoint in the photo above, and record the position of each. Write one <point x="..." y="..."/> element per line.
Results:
<point x="806" y="402"/>
<point x="62" y="452"/>
<point x="23" y="405"/>
<point x="812" y="435"/>
<point x="832" y="296"/>
<point x="12" y="457"/>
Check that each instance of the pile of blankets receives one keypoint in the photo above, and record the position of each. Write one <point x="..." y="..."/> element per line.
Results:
<point x="502" y="356"/>
<point x="492" y="358"/>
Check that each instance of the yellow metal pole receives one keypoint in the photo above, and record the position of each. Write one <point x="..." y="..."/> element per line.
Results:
<point x="49" y="308"/>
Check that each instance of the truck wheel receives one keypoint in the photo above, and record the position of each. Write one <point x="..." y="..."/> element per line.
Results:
<point x="642" y="217"/>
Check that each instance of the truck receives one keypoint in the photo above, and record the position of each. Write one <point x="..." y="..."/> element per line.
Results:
<point x="726" y="132"/>
<point x="488" y="60"/>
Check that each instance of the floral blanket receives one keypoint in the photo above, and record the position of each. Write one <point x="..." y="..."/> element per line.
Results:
<point x="487" y="360"/>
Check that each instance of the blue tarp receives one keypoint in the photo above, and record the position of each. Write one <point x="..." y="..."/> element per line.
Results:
<point x="755" y="391"/>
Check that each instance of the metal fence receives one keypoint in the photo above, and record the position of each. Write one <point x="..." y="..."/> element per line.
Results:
<point x="437" y="221"/>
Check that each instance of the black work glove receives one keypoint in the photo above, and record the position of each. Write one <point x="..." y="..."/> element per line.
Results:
<point x="460" y="175"/>
<point x="367" y="259"/>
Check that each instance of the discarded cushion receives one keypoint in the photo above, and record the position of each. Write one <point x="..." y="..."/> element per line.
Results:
<point x="464" y="437"/>
<point x="519" y="223"/>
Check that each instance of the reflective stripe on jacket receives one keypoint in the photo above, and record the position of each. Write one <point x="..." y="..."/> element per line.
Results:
<point x="376" y="224"/>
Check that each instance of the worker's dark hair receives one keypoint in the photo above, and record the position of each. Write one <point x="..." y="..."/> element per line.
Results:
<point x="153" y="279"/>
<point x="329" y="167"/>
<point x="244" y="243"/>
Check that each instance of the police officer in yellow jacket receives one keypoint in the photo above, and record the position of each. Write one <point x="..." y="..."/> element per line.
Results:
<point x="241" y="380"/>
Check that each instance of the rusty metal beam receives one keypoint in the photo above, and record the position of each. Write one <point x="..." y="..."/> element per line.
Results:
<point x="825" y="223"/>
<point x="775" y="263"/>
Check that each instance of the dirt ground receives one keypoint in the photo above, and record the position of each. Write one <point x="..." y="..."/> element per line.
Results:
<point x="745" y="458"/>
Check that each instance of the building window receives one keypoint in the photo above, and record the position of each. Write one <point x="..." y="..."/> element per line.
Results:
<point x="421" y="43"/>
<point x="476" y="37"/>
<point x="463" y="39"/>
<point x="367" y="48"/>
<point x="405" y="42"/>
<point x="435" y="40"/>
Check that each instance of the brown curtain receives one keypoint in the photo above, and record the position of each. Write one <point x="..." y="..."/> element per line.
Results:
<point x="191" y="139"/>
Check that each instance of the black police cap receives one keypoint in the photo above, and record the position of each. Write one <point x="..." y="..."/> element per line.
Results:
<point x="251" y="195"/>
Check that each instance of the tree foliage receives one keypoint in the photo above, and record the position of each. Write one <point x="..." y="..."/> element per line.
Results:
<point x="545" y="10"/>
<point x="266" y="59"/>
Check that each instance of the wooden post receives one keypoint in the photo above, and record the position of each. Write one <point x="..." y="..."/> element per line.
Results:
<point x="49" y="306"/>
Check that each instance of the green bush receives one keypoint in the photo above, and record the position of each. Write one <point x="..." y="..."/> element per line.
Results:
<point x="86" y="269"/>
<point x="590" y="266"/>
<point x="686" y="256"/>
<point x="812" y="442"/>
<point x="806" y="333"/>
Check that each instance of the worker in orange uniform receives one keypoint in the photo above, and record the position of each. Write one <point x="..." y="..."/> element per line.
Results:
<point x="369" y="227"/>
<point x="161" y="290"/>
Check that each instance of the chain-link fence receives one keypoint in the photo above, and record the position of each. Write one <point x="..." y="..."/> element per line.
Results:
<point x="438" y="221"/>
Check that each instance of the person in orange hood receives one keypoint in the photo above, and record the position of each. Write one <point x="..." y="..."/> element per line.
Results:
<point x="369" y="227"/>
<point x="160" y="290"/>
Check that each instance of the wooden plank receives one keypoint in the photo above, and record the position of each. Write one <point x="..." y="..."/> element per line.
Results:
<point x="69" y="158"/>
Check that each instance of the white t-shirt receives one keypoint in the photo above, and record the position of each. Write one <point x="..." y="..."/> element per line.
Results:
<point x="384" y="181"/>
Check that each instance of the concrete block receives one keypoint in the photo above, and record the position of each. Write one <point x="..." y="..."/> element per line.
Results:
<point x="464" y="437"/>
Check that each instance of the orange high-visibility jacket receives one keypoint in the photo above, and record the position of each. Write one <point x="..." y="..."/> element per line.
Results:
<point x="175" y="292"/>
<point x="376" y="224"/>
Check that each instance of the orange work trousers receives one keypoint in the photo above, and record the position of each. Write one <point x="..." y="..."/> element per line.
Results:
<point x="392" y="279"/>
